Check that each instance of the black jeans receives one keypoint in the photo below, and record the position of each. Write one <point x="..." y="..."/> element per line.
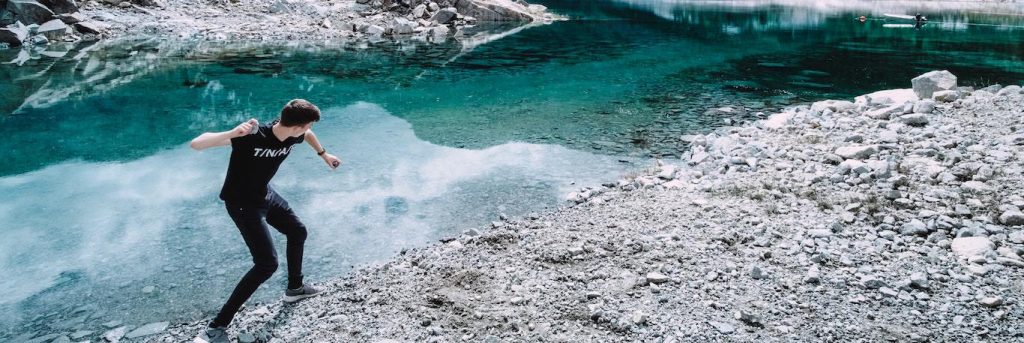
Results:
<point x="264" y="258"/>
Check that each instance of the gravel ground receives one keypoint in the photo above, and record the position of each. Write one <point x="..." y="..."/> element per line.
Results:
<point x="888" y="218"/>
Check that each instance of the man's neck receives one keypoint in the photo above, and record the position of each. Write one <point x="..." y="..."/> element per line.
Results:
<point x="279" y="132"/>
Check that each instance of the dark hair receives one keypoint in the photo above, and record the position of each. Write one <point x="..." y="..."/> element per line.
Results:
<point x="299" y="112"/>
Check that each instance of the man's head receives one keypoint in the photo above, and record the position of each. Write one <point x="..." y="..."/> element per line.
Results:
<point x="298" y="115"/>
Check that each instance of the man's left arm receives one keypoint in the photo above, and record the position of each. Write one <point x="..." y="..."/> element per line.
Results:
<point x="331" y="160"/>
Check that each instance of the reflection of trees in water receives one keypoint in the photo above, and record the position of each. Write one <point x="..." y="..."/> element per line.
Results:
<point x="777" y="14"/>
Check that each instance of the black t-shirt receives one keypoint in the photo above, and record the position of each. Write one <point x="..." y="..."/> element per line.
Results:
<point x="254" y="161"/>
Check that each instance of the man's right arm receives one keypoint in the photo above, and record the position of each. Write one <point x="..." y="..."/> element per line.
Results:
<point x="212" y="139"/>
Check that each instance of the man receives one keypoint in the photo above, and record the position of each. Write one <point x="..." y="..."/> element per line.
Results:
<point x="256" y="153"/>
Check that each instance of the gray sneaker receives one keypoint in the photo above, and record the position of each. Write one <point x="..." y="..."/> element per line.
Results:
<point x="212" y="335"/>
<point x="306" y="291"/>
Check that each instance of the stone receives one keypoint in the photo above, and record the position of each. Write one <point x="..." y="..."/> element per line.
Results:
<point x="439" y="31"/>
<point x="29" y="11"/>
<point x="991" y="302"/>
<point x="813" y="275"/>
<point x="722" y="327"/>
<point x="919" y="280"/>
<point x="77" y="335"/>
<point x="857" y="151"/>
<point x="884" y="113"/>
<point x="747" y="318"/>
<point x="946" y="96"/>
<point x="73" y="18"/>
<point x="91" y="27"/>
<point x="13" y="35"/>
<point x="871" y="282"/>
<point x="928" y="83"/>
<point x="926" y="106"/>
<point x="374" y="30"/>
<point x="420" y="11"/>
<point x="887" y="98"/>
<point x="402" y="26"/>
<point x="147" y="330"/>
<point x="246" y="337"/>
<point x="1012" y="218"/>
<point x="115" y="335"/>
<point x="656" y="278"/>
<point x="976" y="187"/>
<point x="966" y="247"/>
<point x="756" y="273"/>
<point x="778" y="120"/>
<point x="889" y="292"/>
<point x="54" y="29"/>
<point x="914" y="119"/>
<point x="1011" y="89"/>
<point x="914" y="227"/>
<point x="445" y="15"/>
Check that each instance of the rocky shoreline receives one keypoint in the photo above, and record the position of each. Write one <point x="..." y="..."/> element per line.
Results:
<point x="894" y="217"/>
<point x="33" y="23"/>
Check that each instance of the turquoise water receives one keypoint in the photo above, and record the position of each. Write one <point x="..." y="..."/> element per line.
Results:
<point x="104" y="198"/>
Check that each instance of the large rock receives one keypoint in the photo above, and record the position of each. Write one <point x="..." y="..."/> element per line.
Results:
<point x="14" y="35"/>
<point x="494" y="10"/>
<point x="60" y="6"/>
<point x="29" y="11"/>
<point x="929" y="83"/>
<point x="778" y="120"/>
<point x="967" y="247"/>
<point x="445" y="15"/>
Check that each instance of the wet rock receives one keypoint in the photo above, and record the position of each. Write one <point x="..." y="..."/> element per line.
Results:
<point x="928" y="83"/>
<point x="115" y="335"/>
<point x="147" y="330"/>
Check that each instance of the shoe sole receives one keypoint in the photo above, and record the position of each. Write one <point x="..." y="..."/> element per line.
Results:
<point x="293" y="298"/>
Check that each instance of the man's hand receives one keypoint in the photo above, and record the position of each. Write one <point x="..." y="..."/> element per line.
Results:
<point x="244" y="128"/>
<point x="331" y="160"/>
